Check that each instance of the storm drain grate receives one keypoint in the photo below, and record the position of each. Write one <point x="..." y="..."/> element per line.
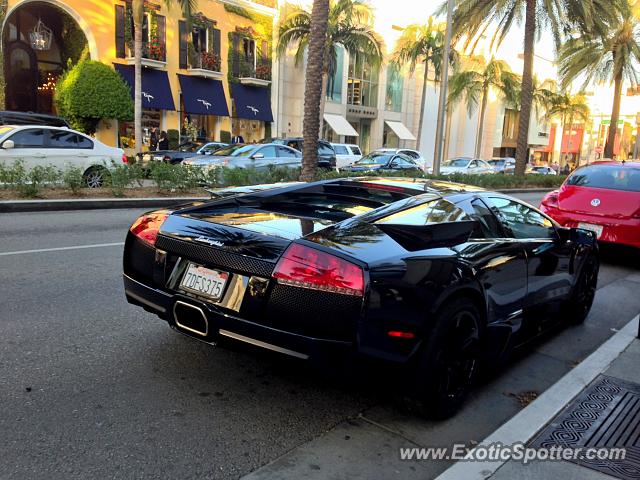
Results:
<point x="605" y="415"/>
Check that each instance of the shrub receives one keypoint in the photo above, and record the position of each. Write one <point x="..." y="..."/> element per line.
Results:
<point x="13" y="175"/>
<point x="174" y="138"/>
<point x="73" y="179"/>
<point x="91" y="91"/>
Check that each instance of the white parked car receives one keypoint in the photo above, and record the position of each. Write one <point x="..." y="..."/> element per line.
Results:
<point x="59" y="147"/>
<point x="541" y="171"/>
<point x="467" y="166"/>
<point x="412" y="154"/>
<point x="346" y="154"/>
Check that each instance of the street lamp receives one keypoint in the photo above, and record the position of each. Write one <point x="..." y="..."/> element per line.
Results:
<point x="444" y="87"/>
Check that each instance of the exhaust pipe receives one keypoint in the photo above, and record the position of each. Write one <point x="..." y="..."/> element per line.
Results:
<point x="191" y="319"/>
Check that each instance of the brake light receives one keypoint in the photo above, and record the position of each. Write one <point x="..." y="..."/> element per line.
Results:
<point x="399" y="334"/>
<point x="551" y="199"/>
<point x="125" y="159"/>
<point x="146" y="227"/>
<point x="305" y="267"/>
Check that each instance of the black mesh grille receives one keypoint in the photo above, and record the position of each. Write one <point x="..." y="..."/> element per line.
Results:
<point x="314" y="313"/>
<point x="214" y="257"/>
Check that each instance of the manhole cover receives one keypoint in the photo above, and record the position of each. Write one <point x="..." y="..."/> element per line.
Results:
<point x="605" y="415"/>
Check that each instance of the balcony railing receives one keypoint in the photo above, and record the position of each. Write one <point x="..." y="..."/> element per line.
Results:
<point x="154" y="54"/>
<point x="248" y="72"/>
<point x="205" y="61"/>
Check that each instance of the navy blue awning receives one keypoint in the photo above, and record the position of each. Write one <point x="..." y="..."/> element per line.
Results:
<point x="253" y="103"/>
<point x="203" y="96"/>
<point x="156" y="90"/>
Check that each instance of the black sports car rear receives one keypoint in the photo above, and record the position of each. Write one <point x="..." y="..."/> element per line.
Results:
<point x="434" y="277"/>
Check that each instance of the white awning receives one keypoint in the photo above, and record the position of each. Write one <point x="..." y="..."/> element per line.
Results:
<point x="400" y="130"/>
<point x="340" y="125"/>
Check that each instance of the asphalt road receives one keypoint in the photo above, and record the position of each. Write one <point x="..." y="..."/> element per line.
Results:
<point x="91" y="387"/>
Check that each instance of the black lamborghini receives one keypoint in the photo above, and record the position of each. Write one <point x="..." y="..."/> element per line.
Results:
<point x="434" y="278"/>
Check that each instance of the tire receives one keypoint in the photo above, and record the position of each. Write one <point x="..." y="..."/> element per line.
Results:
<point x="96" y="177"/>
<point x="448" y="364"/>
<point x="579" y="306"/>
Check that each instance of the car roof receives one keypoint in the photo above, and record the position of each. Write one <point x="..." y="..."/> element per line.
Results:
<point x="421" y="185"/>
<point x="617" y="163"/>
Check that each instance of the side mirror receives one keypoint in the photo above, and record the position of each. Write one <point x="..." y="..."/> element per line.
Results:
<point x="8" y="144"/>
<point x="258" y="156"/>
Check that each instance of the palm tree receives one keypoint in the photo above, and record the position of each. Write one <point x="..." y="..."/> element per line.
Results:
<point x="569" y="108"/>
<point x="137" y="6"/>
<point x="474" y="84"/>
<point x="611" y="56"/>
<point x="421" y="44"/>
<point x="472" y="19"/>
<point x="348" y="27"/>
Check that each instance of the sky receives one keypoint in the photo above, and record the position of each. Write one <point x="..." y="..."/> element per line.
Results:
<point x="404" y="12"/>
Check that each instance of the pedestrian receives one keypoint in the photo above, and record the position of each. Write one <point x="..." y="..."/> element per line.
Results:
<point x="153" y="139"/>
<point x="237" y="139"/>
<point x="163" y="142"/>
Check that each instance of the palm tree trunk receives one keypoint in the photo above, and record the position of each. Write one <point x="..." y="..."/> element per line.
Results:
<point x="313" y="88"/>
<point x="323" y="99"/>
<point x="615" y="115"/>
<point x="483" y="111"/>
<point x="423" y="103"/>
<point x="138" y="14"/>
<point x="526" y="96"/>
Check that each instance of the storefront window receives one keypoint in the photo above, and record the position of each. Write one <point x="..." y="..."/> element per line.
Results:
<point x="334" y="87"/>
<point x="151" y="118"/>
<point x="393" y="99"/>
<point x="362" y="85"/>
<point x="389" y="138"/>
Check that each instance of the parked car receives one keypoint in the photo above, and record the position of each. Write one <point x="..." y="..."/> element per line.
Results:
<point x="326" y="153"/>
<point x="185" y="150"/>
<point x="346" y="154"/>
<point x="541" y="171"/>
<point x="412" y="154"/>
<point x="467" y="166"/>
<point x="438" y="279"/>
<point x="503" y="165"/>
<point x="603" y="197"/>
<point x="259" y="156"/>
<point x="385" y="162"/>
<point x="30" y="118"/>
<point x="60" y="147"/>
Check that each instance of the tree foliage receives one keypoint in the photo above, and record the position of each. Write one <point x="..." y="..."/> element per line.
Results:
<point x="92" y="91"/>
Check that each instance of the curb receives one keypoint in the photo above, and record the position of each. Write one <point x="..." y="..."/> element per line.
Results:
<point x="19" y="206"/>
<point x="528" y="422"/>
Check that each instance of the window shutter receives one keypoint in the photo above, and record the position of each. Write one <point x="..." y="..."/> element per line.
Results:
<point x="216" y="42"/>
<point x="161" y="23"/>
<point x="265" y="52"/>
<point x="236" y="56"/>
<point x="120" y="37"/>
<point x="183" y="33"/>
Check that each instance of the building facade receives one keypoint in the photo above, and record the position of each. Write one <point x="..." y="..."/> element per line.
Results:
<point x="209" y="79"/>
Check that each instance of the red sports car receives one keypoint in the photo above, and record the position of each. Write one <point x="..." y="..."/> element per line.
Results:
<point x="603" y="197"/>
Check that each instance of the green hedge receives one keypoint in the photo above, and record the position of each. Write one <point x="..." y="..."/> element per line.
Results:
<point x="176" y="178"/>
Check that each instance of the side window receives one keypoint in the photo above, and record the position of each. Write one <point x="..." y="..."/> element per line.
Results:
<point x="284" y="152"/>
<point x="488" y="224"/>
<point x="62" y="139"/>
<point x="473" y="164"/>
<point x="268" y="152"/>
<point x="410" y="154"/>
<point x="523" y="221"/>
<point x="341" y="150"/>
<point x="32" y="138"/>
<point x="402" y="162"/>
<point x="437" y="211"/>
<point x="84" y="143"/>
<point x="356" y="150"/>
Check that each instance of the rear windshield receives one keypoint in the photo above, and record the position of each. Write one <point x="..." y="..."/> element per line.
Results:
<point x="612" y="177"/>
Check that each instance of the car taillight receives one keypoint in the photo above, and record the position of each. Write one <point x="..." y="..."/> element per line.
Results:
<point x="551" y="199"/>
<point x="305" y="267"/>
<point x="146" y="227"/>
<point x="125" y="159"/>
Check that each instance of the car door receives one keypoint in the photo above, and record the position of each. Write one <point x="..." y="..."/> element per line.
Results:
<point x="501" y="266"/>
<point x="288" y="157"/>
<point x="63" y="150"/>
<point x="263" y="157"/>
<point x="400" y="163"/>
<point x="29" y="146"/>
<point x="484" y="167"/>
<point x="549" y="274"/>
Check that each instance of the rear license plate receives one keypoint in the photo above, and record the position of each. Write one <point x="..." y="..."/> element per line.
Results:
<point x="204" y="281"/>
<point x="597" y="229"/>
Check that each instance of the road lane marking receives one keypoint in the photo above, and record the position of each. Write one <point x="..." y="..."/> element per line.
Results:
<point x="61" y="249"/>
